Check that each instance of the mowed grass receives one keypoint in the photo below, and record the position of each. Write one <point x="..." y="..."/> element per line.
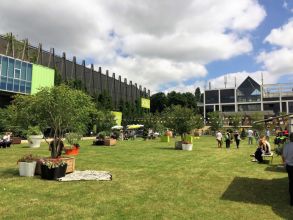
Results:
<point x="151" y="180"/>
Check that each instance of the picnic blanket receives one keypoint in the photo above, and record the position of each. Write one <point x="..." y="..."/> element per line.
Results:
<point x="87" y="175"/>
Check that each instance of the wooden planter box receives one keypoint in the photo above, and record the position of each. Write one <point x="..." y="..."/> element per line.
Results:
<point x="110" y="142"/>
<point x="70" y="165"/>
<point x="16" y="140"/>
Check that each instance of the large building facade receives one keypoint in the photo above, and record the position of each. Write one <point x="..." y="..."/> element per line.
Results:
<point x="248" y="97"/>
<point x="94" y="81"/>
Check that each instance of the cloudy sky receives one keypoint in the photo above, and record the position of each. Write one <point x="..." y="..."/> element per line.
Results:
<point x="164" y="45"/>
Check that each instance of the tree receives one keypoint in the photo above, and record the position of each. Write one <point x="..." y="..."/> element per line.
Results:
<point x="215" y="120"/>
<point x="181" y="120"/>
<point x="197" y="94"/>
<point x="257" y="116"/>
<point x="104" y="121"/>
<point x="158" y="102"/>
<point x="236" y="120"/>
<point x="60" y="108"/>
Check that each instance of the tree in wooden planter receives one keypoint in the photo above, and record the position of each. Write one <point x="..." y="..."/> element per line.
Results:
<point x="181" y="120"/>
<point x="60" y="108"/>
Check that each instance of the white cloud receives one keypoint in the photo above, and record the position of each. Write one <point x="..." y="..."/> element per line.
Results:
<point x="279" y="60"/>
<point x="282" y="36"/>
<point x="150" y="42"/>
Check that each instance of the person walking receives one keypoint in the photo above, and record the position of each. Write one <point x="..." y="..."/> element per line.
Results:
<point x="219" y="138"/>
<point x="250" y="136"/>
<point x="228" y="140"/>
<point x="237" y="139"/>
<point x="288" y="158"/>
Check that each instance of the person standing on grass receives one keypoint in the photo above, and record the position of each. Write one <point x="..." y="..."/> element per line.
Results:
<point x="250" y="136"/>
<point x="228" y="140"/>
<point x="288" y="158"/>
<point x="219" y="138"/>
<point x="237" y="139"/>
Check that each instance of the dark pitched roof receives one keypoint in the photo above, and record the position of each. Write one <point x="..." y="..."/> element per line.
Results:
<point x="248" y="86"/>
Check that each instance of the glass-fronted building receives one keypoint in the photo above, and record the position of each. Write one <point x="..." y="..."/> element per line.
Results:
<point x="18" y="76"/>
<point x="249" y="97"/>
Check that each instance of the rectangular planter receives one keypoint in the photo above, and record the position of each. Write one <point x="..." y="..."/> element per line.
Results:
<point x="165" y="139"/>
<point x="70" y="165"/>
<point x="110" y="142"/>
<point x="16" y="140"/>
<point x="53" y="173"/>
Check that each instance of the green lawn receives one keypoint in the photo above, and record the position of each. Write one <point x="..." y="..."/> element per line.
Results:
<point x="151" y="180"/>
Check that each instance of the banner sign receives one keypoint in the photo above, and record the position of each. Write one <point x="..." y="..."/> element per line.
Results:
<point x="145" y="103"/>
<point x="118" y="117"/>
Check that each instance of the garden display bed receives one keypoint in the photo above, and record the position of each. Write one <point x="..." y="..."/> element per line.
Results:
<point x="70" y="165"/>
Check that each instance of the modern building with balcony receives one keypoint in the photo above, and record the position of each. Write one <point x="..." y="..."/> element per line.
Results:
<point x="249" y="97"/>
<point x="22" y="77"/>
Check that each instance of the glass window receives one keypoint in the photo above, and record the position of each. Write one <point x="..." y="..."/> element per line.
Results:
<point x="28" y="87"/>
<point x="9" y="84"/>
<point x="211" y="96"/>
<point x="290" y="105"/>
<point x="16" y="85"/>
<point x="11" y="68"/>
<point x="227" y="95"/>
<point x="3" y="83"/>
<point x="4" y="66"/>
<point x="23" y="71"/>
<point x="29" y="72"/>
<point x="17" y="73"/>
<point x="22" y="87"/>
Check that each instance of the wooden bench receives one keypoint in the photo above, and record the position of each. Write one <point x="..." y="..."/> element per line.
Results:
<point x="269" y="157"/>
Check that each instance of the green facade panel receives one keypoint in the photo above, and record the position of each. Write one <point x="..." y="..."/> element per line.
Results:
<point x="41" y="77"/>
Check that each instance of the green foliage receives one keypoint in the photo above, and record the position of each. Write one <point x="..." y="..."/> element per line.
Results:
<point x="197" y="94"/>
<point x="73" y="138"/>
<point x="104" y="121"/>
<point x="181" y="119"/>
<point x="34" y="130"/>
<point x="215" y="121"/>
<point x="257" y="116"/>
<point x="28" y="158"/>
<point x="57" y="78"/>
<point x="102" y="135"/>
<point x="104" y="101"/>
<point x="158" y="102"/>
<point x="60" y="108"/>
<point x="236" y="120"/>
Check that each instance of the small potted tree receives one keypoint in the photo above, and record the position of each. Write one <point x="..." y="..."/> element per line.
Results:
<point x="59" y="108"/>
<point x="73" y="139"/>
<point x="27" y="165"/>
<point x="34" y="136"/>
<point x="181" y="120"/>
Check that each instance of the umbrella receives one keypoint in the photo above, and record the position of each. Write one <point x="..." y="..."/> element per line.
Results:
<point x="134" y="126"/>
<point x="117" y="127"/>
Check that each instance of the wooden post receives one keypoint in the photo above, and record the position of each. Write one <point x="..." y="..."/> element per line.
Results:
<point x="63" y="68"/>
<point x="25" y="50"/>
<point x="40" y="55"/>
<point x="114" y="91"/>
<point x="120" y="88"/>
<point x="73" y="71"/>
<point x="126" y="89"/>
<point x="101" y="79"/>
<point x="84" y="78"/>
<point x="93" y="79"/>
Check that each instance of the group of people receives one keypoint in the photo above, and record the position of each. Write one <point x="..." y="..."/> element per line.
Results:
<point x="228" y="138"/>
<point x="5" y="141"/>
